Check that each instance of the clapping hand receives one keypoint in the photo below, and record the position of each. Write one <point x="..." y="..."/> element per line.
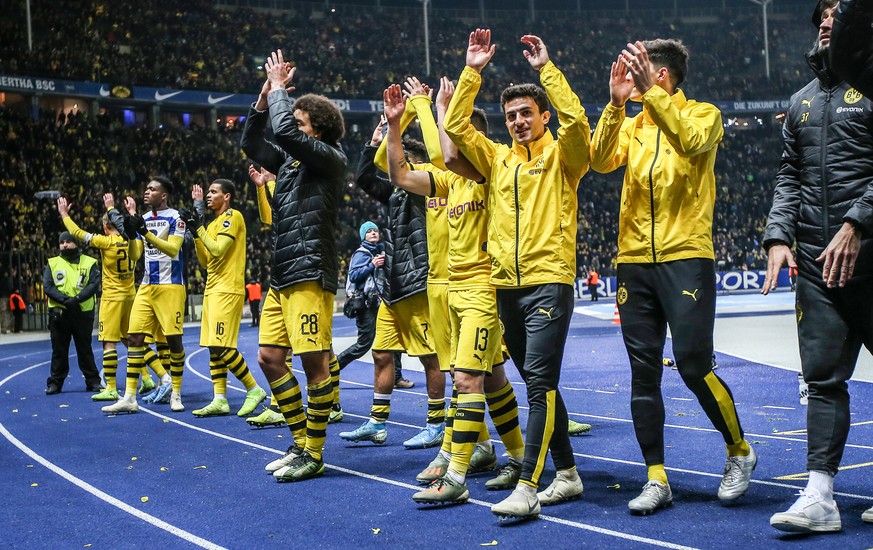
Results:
<point x="480" y="50"/>
<point x="279" y="72"/>
<point x="394" y="104"/>
<point x="636" y="59"/>
<point x="444" y="96"/>
<point x="63" y="207"/>
<point x="414" y="87"/>
<point x="536" y="53"/>
<point x="377" y="133"/>
<point x="620" y="86"/>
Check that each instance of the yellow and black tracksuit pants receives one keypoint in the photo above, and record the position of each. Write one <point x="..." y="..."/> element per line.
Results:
<point x="680" y="294"/>
<point x="832" y="323"/>
<point x="536" y="320"/>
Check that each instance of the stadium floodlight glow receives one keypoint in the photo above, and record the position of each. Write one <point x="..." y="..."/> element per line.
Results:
<point x="764" y="4"/>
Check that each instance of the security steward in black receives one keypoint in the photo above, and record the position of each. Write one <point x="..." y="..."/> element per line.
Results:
<point x="71" y="282"/>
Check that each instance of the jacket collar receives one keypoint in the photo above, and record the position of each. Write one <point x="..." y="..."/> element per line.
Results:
<point x="678" y="99"/>
<point x="534" y="149"/>
<point x="819" y="65"/>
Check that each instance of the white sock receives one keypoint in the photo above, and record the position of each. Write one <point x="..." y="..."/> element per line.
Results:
<point x="526" y="490"/>
<point x="822" y="482"/>
<point x="570" y="474"/>
<point x="456" y="476"/>
<point x="165" y="379"/>
<point x="220" y="396"/>
<point x="445" y="454"/>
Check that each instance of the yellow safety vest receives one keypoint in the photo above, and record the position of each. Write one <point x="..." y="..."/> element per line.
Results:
<point x="72" y="278"/>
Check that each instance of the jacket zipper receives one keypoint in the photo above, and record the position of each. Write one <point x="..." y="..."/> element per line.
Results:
<point x="517" y="223"/>
<point x="823" y="168"/>
<point x="652" y="190"/>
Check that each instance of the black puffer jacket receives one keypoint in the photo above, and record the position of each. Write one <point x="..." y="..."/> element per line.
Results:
<point x="826" y="175"/>
<point x="310" y="175"/>
<point x="851" y="48"/>
<point x="406" y="235"/>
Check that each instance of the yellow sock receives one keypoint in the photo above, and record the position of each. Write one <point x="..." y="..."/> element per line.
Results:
<point x="218" y="373"/>
<point x="739" y="449"/>
<point x="236" y="364"/>
<point x="436" y="411"/>
<point x="468" y="421"/>
<point x="286" y="391"/>
<point x="381" y="408"/>
<point x="658" y="473"/>
<point x="450" y="422"/>
<point x="503" y="409"/>
<point x="319" y="399"/>
<point x="151" y="359"/>
<point x="135" y="363"/>
<point x="177" y="369"/>
<point x="110" y="367"/>
<point x="334" y="379"/>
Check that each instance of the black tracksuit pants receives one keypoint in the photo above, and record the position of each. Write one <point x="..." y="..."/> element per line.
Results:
<point x="536" y="321"/>
<point x="681" y="294"/>
<point x="64" y="326"/>
<point x="831" y="326"/>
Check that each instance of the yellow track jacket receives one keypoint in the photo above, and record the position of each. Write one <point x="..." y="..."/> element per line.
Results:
<point x="532" y="202"/>
<point x="669" y="186"/>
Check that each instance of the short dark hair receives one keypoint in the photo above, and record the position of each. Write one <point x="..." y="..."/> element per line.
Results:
<point x="107" y="221"/>
<point x="325" y="117"/>
<point x="479" y="120"/>
<point x="820" y="7"/>
<point x="525" y="90"/>
<point x="165" y="182"/>
<point x="415" y="149"/>
<point x="670" y="53"/>
<point x="227" y="186"/>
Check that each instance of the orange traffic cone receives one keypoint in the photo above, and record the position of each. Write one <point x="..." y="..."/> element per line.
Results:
<point x="616" y="318"/>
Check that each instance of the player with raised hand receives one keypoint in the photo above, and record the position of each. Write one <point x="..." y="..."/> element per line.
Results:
<point x="221" y="249"/>
<point x="531" y="241"/>
<point x="297" y="315"/>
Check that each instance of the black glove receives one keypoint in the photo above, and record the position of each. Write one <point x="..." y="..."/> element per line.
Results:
<point x="138" y="225"/>
<point x="71" y="304"/>
<point x="193" y="219"/>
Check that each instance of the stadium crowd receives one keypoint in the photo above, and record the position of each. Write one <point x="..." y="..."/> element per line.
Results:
<point x="82" y="156"/>
<point x="197" y="45"/>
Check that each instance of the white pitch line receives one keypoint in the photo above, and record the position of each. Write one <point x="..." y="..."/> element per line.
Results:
<point x="588" y="390"/>
<point x="87" y="487"/>
<point x="371" y="477"/>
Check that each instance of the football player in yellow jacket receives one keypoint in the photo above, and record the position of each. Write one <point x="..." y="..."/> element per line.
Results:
<point x="476" y="353"/>
<point x="532" y="244"/>
<point x="666" y="267"/>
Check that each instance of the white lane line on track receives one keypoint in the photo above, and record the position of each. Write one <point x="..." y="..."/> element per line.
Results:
<point x="87" y="487"/>
<point x="568" y="388"/>
<point x="371" y="477"/>
<point x="578" y="525"/>
<point x="592" y="457"/>
<point x="11" y="357"/>
<point x="597" y="417"/>
<point x="242" y="390"/>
